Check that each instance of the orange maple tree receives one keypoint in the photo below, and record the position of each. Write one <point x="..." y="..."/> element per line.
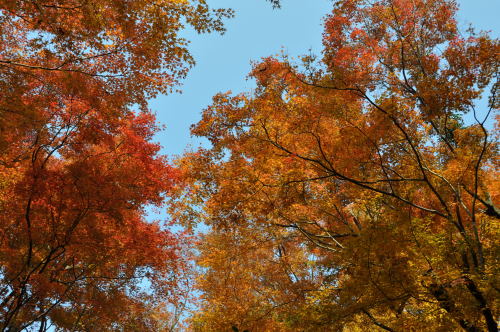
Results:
<point x="77" y="163"/>
<point x="362" y="167"/>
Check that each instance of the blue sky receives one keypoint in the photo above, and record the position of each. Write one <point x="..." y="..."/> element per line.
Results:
<point x="257" y="31"/>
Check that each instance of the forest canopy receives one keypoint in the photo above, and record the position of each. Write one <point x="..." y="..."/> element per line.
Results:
<point x="353" y="190"/>
<point x="78" y="166"/>
<point x="347" y="192"/>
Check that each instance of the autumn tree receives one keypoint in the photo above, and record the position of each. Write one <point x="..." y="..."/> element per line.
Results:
<point x="364" y="165"/>
<point x="77" y="163"/>
<point x="251" y="279"/>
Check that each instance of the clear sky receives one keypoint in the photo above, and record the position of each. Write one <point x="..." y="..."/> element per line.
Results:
<point x="257" y="31"/>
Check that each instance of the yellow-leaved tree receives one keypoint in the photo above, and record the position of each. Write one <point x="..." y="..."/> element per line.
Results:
<point x="349" y="193"/>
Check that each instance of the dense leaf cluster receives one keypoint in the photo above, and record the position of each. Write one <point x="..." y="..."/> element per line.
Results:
<point x="348" y="193"/>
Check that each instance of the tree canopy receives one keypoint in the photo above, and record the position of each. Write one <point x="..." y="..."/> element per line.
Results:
<point x="347" y="192"/>
<point x="353" y="191"/>
<point x="77" y="163"/>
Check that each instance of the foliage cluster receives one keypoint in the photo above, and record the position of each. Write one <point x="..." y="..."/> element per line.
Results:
<point x="348" y="193"/>
<point x="77" y="164"/>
